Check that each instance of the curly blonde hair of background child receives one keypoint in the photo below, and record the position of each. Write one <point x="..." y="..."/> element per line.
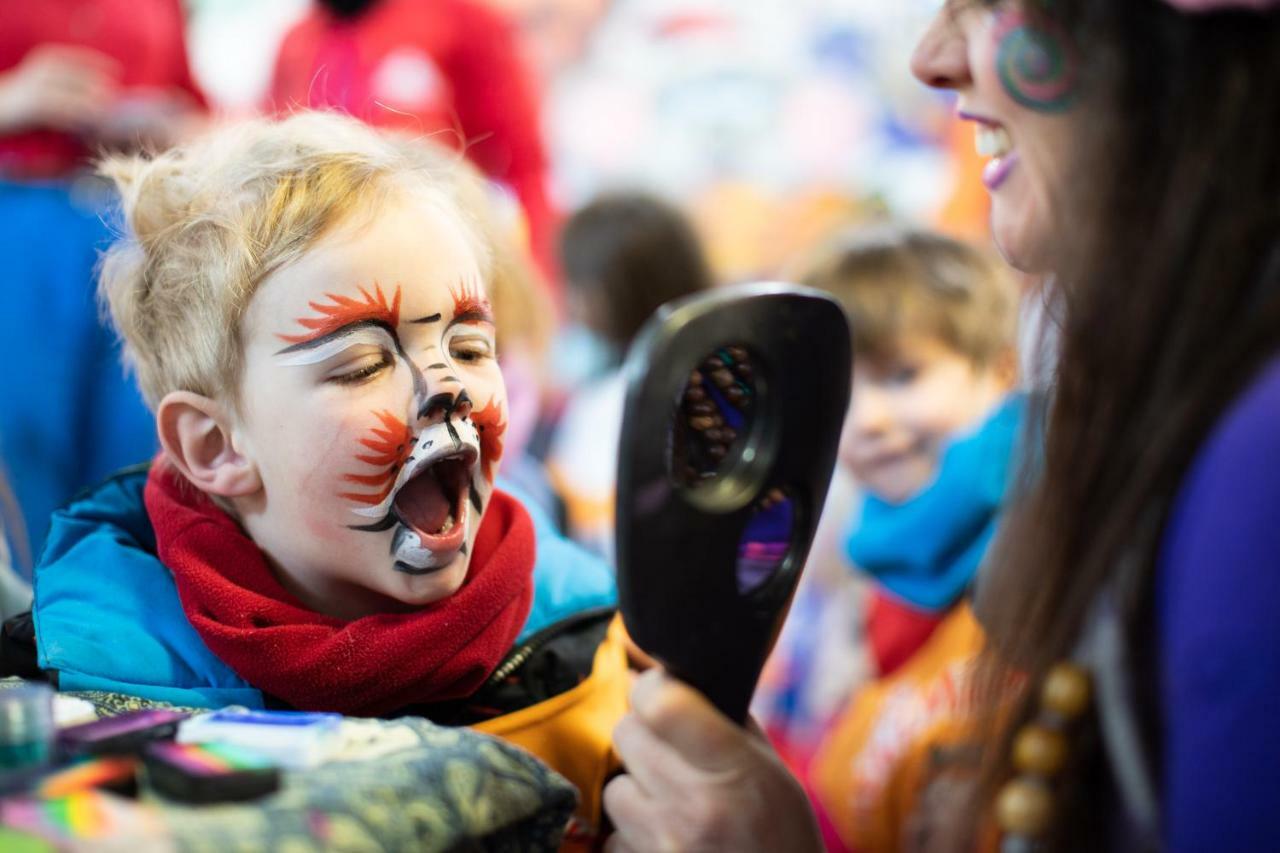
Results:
<point x="207" y="222"/>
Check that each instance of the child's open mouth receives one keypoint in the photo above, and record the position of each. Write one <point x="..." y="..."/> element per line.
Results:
<point x="430" y="506"/>
<point x="433" y="503"/>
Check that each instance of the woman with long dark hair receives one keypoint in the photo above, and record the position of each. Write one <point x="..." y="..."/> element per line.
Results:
<point x="1132" y="682"/>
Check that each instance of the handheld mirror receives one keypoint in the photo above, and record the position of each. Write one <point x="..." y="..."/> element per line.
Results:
<point x="735" y="400"/>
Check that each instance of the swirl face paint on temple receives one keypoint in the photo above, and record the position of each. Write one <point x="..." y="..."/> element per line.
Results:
<point x="1036" y="65"/>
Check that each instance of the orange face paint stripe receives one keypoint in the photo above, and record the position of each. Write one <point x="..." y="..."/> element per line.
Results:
<point x="469" y="304"/>
<point x="392" y="443"/>
<point x="491" y="425"/>
<point x="342" y="311"/>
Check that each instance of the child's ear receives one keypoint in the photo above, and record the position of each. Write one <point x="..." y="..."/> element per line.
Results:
<point x="195" y="432"/>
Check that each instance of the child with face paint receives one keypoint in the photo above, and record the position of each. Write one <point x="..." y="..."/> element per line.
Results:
<point x="306" y="306"/>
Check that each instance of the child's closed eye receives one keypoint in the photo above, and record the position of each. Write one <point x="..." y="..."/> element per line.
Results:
<point x="471" y="350"/>
<point x="361" y="370"/>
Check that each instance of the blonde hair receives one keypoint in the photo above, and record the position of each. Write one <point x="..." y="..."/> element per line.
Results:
<point x="896" y="281"/>
<point x="207" y="222"/>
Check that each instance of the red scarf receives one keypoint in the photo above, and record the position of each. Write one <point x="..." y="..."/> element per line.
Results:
<point x="369" y="666"/>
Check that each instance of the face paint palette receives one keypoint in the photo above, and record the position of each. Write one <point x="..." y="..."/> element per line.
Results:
<point x="115" y="773"/>
<point x="210" y="773"/>
<point x="124" y="734"/>
<point x="293" y="739"/>
<point x="26" y="726"/>
<point x="735" y="402"/>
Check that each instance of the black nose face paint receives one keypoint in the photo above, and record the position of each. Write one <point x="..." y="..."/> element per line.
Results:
<point x="735" y="400"/>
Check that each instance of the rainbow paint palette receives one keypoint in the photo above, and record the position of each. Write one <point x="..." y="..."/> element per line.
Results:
<point x="67" y="822"/>
<point x="113" y="773"/>
<point x="210" y="773"/>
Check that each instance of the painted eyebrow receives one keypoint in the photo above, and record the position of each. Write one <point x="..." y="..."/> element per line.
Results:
<point x="469" y="305"/>
<point x="430" y="318"/>
<point x="475" y="315"/>
<point x="341" y="311"/>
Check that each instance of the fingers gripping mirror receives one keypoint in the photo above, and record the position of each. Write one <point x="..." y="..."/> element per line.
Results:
<point x="735" y="400"/>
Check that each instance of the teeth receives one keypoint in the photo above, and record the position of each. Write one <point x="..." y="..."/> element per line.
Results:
<point x="448" y="524"/>
<point x="992" y="141"/>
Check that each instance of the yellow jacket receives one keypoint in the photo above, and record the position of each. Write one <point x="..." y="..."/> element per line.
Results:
<point x="573" y="732"/>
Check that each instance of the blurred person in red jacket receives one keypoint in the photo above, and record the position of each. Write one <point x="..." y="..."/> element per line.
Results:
<point x="76" y="76"/>
<point x="427" y="66"/>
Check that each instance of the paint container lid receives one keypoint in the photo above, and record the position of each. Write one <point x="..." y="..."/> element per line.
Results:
<point x="26" y="726"/>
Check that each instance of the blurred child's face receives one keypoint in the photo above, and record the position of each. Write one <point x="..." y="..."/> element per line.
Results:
<point x="905" y="407"/>
<point x="373" y="407"/>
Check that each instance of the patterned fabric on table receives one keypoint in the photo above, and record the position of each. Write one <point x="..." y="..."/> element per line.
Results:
<point x="443" y="789"/>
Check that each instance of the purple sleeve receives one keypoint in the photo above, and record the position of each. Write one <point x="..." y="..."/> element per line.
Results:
<point x="1218" y="611"/>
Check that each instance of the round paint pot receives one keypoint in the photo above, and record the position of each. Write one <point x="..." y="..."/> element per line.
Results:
<point x="26" y="730"/>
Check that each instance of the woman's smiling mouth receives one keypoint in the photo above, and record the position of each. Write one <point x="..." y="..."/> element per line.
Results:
<point x="992" y="139"/>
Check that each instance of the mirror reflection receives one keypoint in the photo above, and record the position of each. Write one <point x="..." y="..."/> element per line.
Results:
<point x="766" y="540"/>
<point x="713" y="415"/>
<point x="713" y="419"/>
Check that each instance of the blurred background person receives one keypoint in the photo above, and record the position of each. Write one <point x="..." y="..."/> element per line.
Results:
<point x="446" y="68"/>
<point x="931" y="439"/>
<point x="76" y="76"/>
<point x="934" y="323"/>
<point x="623" y="256"/>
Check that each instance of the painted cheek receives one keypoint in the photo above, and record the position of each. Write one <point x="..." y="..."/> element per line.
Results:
<point x="380" y="453"/>
<point x="491" y="423"/>
<point x="1035" y="65"/>
<point x="314" y="509"/>
<point x="311" y="449"/>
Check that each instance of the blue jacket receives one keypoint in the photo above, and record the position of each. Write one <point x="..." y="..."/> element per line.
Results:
<point x="107" y="614"/>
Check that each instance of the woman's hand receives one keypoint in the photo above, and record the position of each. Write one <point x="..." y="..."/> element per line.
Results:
<point x="62" y="87"/>
<point x="696" y="781"/>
